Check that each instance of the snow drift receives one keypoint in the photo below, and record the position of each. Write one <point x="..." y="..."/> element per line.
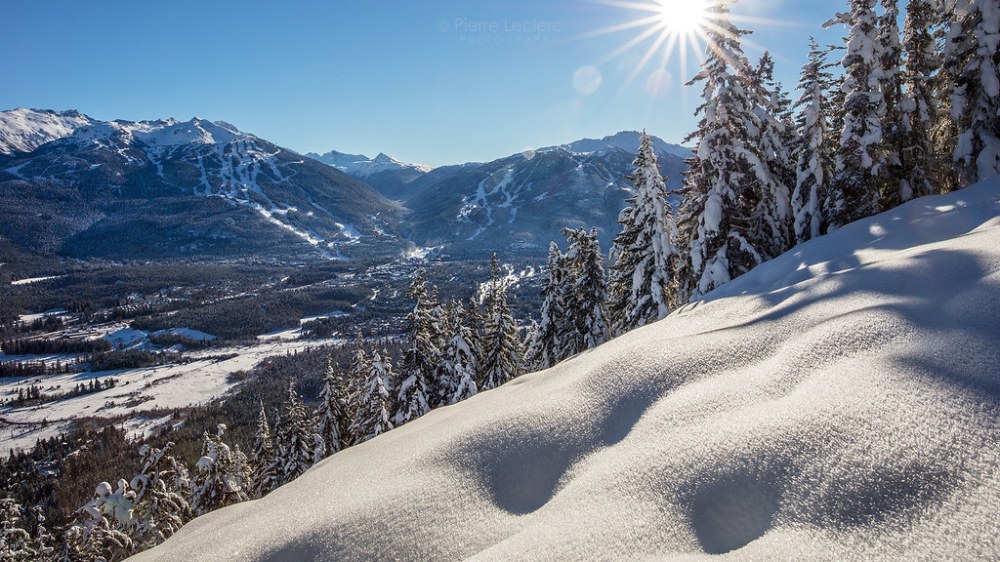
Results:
<point x="840" y="402"/>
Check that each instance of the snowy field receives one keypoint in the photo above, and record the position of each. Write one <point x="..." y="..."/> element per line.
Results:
<point x="839" y="403"/>
<point x="203" y="378"/>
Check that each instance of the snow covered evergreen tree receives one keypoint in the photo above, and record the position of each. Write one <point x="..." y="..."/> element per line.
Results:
<point x="729" y="188"/>
<point x="16" y="543"/>
<point x="105" y="533"/>
<point x="586" y="263"/>
<point x="921" y="79"/>
<point x="295" y="442"/>
<point x="815" y="164"/>
<point x="420" y="360"/>
<point x="860" y="166"/>
<point x="972" y="59"/>
<point x="770" y="138"/>
<point x="545" y="348"/>
<point x="262" y="459"/>
<point x="644" y="251"/>
<point x="501" y="341"/>
<point x="357" y="376"/>
<point x="375" y="407"/>
<point x="221" y="479"/>
<point x="332" y="410"/>
<point x="895" y="188"/>
<point x="160" y="506"/>
<point x="459" y="360"/>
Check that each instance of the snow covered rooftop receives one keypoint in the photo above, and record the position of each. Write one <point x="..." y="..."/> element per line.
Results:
<point x="840" y="403"/>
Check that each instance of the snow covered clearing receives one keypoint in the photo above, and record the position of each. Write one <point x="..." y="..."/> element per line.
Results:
<point x="33" y="280"/>
<point x="204" y="377"/>
<point x="841" y="402"/>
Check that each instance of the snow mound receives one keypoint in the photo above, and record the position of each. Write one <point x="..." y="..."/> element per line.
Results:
<point x="841" y="403"/>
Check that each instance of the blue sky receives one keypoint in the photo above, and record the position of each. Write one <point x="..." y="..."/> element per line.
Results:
<point x="430" y="81"/>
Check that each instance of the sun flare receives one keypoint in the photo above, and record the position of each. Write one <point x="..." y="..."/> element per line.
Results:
<point x="683" y="16"/>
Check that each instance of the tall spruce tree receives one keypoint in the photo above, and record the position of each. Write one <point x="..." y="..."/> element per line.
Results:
<point x="332" y="409"/>
<point x="972" y="59"/>
<point x="295" y="442"/>
<point x="772" y="144"/>
<point x="860" y="165"/>
<point x="262" y="458"/>
<point x="921" y="80"/>
<point x="374" y="414"/>
<point x="420" y="361"/>
<point x="728" y="179"/>
<point x="501" y="341"/>
<point x="644" y="251"/>
<point x="894" y="187"/>
<point x="815" y="164"/>
<point x="588" y="280"/>
<point x="459" y="367"/>
<point x="544" y="348"/>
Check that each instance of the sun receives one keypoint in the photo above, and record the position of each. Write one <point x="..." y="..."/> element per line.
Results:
<point x="668" y="32"/>
<point x="683" y="16"/>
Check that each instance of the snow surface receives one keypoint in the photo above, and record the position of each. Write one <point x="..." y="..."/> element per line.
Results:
<point x="841" y="402"/>
<point x="24" y="130"/>
<point x="203" y="378"/>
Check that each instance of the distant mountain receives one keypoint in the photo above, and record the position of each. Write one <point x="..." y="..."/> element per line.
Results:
<point x="24" y="130"/>
<point x="386" y="174"/>
<point x="627" y="141"/>
<point x="165" y="188"/>
<point x="517" y="204"/>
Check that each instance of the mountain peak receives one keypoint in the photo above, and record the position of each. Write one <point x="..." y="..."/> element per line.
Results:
<point x="627" y="141"/>
<point x="24" y="129"/>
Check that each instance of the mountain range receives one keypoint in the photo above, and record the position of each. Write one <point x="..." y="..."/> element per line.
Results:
<point x="82" y="187"/>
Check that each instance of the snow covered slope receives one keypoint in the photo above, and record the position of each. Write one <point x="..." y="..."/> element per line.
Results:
<point x="840" y="403"/>
<point x="24" y="130"/>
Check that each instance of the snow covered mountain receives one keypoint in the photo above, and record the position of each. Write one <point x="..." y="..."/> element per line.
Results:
<point x="24" y="130"/>
<point x="627" y="141"/>
<point x="361" y="166"/>
<point x="167" y="187"/>
<point x="519" y="203"/>
<point x="838" y="403"/>
<point x="390" y="176"/>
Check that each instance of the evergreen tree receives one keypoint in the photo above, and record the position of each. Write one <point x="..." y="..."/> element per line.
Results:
<point x="374" y="415"/>
<point x="295" y="442"/>
<point x="501" y="342"/>
<point x="814" y="158"/>
<point x="16" y="543"/>
<point x="459" y="361"/>
<point x="421" y="357"/>
<point x="972" y="59"/>
<point x="332" y="410"/>
<point x="895" y="189"/>
<point x="160" y="505"/>
<point x="105" y="533"/>
<point x="262" y="458"/>
<point x="920" y="114"/>
<point x="221" y="479"/>
<point x="644" y="251"/>
<point x="774" y="144"/>
<point x="545" y="348"/>
<point x="728" y="184"/>
<point x="358" y="374"/>
<point x="860" y="168"/>
<point x="588" y="279"/>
